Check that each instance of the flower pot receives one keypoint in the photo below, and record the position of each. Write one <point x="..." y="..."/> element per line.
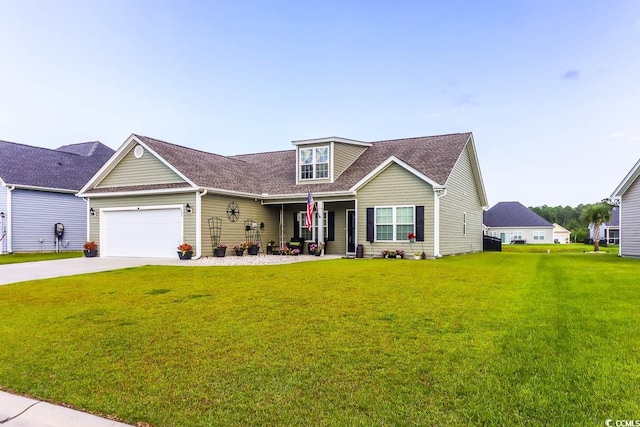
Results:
<point x="416" y="257"/>
<point x="253" y="250"/>
<point x="90" y="253"/>
<point x="239" y="252"/>
<point x="318" y="253"/>
<point x="220" y="252"/>
<point x="399" y="256"/>
<point x="185" y="254"/>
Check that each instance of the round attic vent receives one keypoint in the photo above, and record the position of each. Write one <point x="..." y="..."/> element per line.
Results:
<point x="138" y="151"/>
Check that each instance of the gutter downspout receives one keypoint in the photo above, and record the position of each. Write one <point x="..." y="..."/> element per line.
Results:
<point x="9" y="219"/>
<point x="437" y="193"/>
<point x="199" y="196"/>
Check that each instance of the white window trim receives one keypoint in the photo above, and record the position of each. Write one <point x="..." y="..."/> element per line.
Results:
<point x="302" y="216"/>
<point x="539" y="235"/>
<point x="315" y="163"/>
<point x="394" y="224"/>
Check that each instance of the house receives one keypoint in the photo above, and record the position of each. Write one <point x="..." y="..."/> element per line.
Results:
<point x="152" y="195"/>
<point x="513" y="222"/>
<point x="37" y="191"/>
<point x="560" y="234"/>
<point x="610" y="230"/>
<point x="627" y="194"/>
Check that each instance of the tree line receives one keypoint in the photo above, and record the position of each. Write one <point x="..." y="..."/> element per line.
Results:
<point x="573" y="219"/>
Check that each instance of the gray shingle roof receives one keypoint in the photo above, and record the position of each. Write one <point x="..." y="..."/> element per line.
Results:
<point x="66" y="168"/>
<point x="513" y="214"/>
<point x="274" y="172"/>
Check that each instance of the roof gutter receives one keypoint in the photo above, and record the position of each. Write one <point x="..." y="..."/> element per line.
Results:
<point x="438" y="193"/>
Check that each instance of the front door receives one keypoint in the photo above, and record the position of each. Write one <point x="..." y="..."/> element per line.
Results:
<point x="505" y="238"/>
<point x="351" y="231"/>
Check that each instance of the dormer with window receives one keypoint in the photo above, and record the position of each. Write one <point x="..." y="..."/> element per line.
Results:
<point x="322" y="160"/>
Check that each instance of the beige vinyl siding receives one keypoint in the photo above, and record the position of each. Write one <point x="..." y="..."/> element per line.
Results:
<point x="630" y="221"/>
<point x="395" y="186"/>
<point x="189" y="220"/>
<point x="344" y="156"/>
<point x="146" y="170"/>
<point x="232" y="233"/>
<point x="462" y="197"/>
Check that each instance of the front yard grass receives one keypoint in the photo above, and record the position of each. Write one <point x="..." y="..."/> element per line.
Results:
<point x="33" y="257"/>
<point x="484" y="339"/>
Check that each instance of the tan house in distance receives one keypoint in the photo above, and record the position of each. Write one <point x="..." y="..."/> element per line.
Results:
<point x="153" y="195"/>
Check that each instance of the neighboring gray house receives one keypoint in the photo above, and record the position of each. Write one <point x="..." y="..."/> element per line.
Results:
<point x="153" y="195"/>
<point x="37" y="191"/>
<point x="513" y="222"/>
<point x="610" y="230"/>
<point x="628" y="196"/>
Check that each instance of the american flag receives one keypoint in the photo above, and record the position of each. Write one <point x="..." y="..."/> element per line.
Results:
<point x="310" y="207"/>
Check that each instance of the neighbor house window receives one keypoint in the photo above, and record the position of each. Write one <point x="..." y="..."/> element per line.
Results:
<point x="516" y="235"/>
<point x="538" y="235"/>
<point x="312" y="235"/>
<point x="394" y="222"/>
<point x="314" y="163"/>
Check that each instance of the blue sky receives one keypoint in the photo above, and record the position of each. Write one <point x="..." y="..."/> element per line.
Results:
<point x="550" y="89"/>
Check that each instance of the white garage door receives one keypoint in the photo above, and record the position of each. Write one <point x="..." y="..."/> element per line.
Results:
<point x="154" y="233"/>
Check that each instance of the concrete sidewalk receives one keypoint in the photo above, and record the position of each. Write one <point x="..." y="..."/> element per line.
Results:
<point x="18" y="411"/>
<point x="23" y="271"/>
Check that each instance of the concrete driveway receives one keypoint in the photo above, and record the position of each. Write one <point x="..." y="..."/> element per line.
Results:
<point x="23" y="271"/>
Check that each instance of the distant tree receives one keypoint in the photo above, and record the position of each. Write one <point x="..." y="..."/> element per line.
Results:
<point x="597" y="215"/>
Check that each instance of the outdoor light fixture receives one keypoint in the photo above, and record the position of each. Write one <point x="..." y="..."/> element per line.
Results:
<point x="188" y="208"/>
<point x="92" y="212"/>
<point x="1" y="214"/>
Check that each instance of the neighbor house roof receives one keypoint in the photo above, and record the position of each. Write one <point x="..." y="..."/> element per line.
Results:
<point x="67" y="168"/>
<point x="272" y="172"/>
<point x="513" y="214"/>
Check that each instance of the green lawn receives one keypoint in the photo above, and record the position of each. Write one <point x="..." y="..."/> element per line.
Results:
<point x="32" y="257"/>
<point x="484" y="339"/>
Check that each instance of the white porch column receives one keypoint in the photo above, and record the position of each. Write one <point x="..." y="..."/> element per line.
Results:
<point x="320" y="235"/>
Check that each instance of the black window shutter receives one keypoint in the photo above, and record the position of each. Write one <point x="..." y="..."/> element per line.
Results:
<point x="420" y="223"/>
<point x="296" y="226"/>
<point x="331" y="219"/>
<point x="370" y="225"/>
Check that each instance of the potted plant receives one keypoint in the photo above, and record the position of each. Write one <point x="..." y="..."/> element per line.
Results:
<point x="411" y="237"/>
<point x="400" y="253"/>
<point x="90" y="249"/>
<point x="185" y="251"/>
<point x="239" y="248"/>
<point x="316" y="249"/>
<point x="220" y="250"/>
<point x="416" y="255"/>
<point x="253" y="248"/>
<point x="391" y="254"/>
<point x="295" y="251"/>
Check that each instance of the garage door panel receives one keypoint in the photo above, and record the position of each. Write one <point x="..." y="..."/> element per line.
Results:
<point x="141" y="232"/>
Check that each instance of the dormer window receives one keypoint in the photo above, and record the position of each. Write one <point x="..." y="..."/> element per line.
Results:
<point x="314" y="163"/>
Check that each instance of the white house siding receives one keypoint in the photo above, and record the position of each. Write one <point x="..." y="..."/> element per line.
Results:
<point x="462" y="198"/>
<point x="232" y="233"/>
<point x="630" y="221"/>
<point x="527" y="233"/>
<point x="146" y="170"/>
<point x="345" y="155"/>
<point x="189" y="224"/>
<point x="395" y="186"/>
<point x="34" y="214"/>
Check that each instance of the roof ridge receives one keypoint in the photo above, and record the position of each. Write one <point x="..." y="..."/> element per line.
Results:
<point x="422" y="137"/>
